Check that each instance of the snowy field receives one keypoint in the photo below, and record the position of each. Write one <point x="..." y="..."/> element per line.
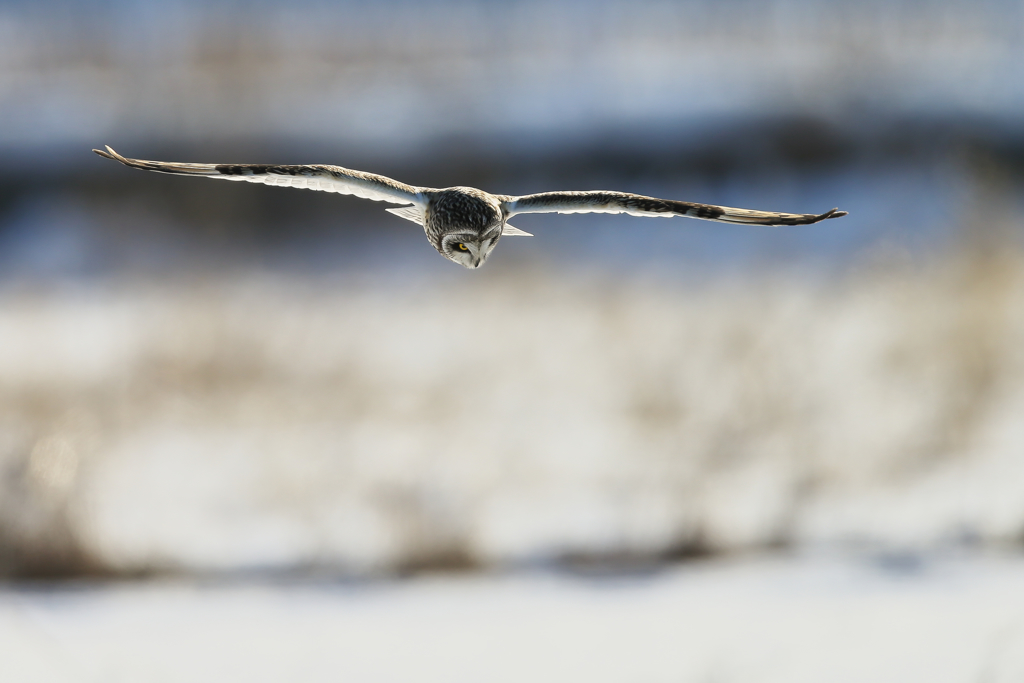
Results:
<point x="376" y="428"/>
<point x="267" y="441"/>
<point x="955" y="621"/>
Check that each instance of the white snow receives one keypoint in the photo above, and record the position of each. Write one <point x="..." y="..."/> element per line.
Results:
<point x="368" y="428"/>
<point x="809" y="620"/>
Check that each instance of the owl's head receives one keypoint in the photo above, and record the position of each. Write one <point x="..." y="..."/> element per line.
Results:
<point x="469" y="249"/>
<point x="464" y="224"/>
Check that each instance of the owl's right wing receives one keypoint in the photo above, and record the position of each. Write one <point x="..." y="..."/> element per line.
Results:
<point x="638" y="205"/>
<point x="311" y="177"/>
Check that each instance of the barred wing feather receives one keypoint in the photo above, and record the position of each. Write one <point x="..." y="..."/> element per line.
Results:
<point x="639" y="205"/>
<point x="311" y="177"/>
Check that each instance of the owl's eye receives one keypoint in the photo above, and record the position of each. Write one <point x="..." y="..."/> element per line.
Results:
<point x="462" y="247"/>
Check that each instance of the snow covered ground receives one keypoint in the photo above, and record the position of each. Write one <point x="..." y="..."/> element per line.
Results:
<point x="797" y="620"/>
<point x="373" y="429"/>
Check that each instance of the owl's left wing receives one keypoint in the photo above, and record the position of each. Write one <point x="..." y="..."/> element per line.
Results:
<point x="639" y="205"/>
<point x="311" y="177"/>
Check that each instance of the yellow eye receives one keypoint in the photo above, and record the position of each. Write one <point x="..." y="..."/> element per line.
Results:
<point x="462" y="247"/>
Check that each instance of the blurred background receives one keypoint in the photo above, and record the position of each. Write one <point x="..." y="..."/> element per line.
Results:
<point x="245" y="388"/>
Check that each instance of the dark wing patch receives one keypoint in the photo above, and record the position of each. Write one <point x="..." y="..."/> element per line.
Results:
<point x="311" y="177"/>
<point x="639" y="205"/>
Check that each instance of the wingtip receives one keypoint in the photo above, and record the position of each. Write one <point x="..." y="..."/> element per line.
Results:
<point x="834" y="213"/>
<point x="109" y="153"/>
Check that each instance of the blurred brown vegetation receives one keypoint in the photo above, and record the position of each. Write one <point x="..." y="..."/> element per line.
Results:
<point x="203" y="378"/>
<point x="242" y="422"/>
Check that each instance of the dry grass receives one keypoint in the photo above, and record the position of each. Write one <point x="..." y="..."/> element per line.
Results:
<point x="258" y="422"/>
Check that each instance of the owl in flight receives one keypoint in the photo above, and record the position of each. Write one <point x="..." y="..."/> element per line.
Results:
<point x="464" y="224"/>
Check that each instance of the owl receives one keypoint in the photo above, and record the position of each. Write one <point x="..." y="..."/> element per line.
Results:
<point x="464" y="224"/>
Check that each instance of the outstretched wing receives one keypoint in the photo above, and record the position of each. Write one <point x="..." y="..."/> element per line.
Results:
<point x="310" y="177"/>
<point x="639" y="205"/>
